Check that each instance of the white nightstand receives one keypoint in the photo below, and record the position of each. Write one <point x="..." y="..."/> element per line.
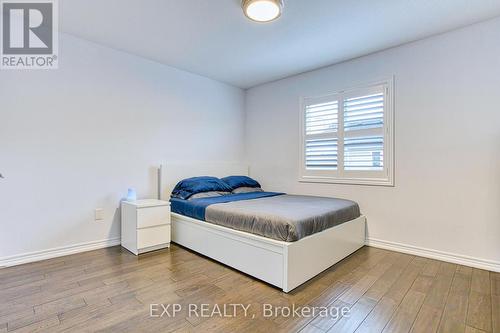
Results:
<point x="145" y="225"/>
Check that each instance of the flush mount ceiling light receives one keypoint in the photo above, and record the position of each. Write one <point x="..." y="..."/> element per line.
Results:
<point x="262" y="10"/>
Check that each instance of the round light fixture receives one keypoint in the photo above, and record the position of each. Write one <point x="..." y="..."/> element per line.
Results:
<point x="262" y="10"/>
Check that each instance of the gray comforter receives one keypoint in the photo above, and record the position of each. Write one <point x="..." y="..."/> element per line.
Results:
<point x="283" y="217"/>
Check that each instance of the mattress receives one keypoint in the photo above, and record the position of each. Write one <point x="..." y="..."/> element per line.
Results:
<point x="269" y="214"/>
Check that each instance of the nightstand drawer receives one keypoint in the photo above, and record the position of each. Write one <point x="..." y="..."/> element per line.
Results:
<point x="153" y="236"/>
<point x="152" y="216"/>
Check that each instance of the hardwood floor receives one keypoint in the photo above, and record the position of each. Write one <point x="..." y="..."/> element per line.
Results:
<point x="112" y="290"/>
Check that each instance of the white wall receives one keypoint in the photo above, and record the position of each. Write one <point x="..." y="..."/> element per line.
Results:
<point x="76" y="138"/>
<point x="447" y="193"/>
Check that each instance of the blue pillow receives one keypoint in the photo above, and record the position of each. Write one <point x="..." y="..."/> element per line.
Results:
<point x="240" y="181"/>
<point x="187" y="187"/>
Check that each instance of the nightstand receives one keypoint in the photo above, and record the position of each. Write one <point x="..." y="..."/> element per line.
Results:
<point x="145" y="225"/>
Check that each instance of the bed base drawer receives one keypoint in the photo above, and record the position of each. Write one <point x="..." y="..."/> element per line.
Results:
<point x="286" y="265"/>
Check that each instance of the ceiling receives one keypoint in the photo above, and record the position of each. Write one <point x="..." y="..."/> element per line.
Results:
<point x="213" y="38"/>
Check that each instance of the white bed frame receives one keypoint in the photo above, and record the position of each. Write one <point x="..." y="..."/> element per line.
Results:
<point x="286" y="265"/>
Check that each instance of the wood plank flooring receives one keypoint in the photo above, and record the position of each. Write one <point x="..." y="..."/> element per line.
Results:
<point x="111" y="290"/>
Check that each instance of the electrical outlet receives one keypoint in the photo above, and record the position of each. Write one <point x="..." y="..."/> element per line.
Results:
<point x="99" y="214"/>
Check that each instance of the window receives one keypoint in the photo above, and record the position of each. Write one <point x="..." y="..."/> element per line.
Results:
<point x="347" y="136"/>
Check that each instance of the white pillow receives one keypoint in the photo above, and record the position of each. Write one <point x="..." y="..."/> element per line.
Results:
<point x="208" y="194"/>
<point x="245" y="189"/>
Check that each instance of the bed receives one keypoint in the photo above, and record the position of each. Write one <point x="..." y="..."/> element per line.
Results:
<point x="268" y="235"/>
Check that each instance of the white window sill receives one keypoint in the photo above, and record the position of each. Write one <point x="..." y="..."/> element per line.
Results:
<point x="347" y="181"/>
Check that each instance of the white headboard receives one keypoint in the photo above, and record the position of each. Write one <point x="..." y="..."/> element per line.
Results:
<point x="173" y="172"/>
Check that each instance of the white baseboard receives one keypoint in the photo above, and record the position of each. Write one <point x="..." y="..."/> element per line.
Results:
<point x="58" y="252"/>
<point x="387" y="245"/>
<point x="489" y="265"/>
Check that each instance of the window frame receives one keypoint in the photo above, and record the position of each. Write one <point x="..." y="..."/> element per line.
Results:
<point x="341" y="176"/>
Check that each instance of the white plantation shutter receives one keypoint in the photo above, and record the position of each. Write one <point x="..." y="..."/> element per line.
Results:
<point x="364" y="112"/>
<point x="364" y="152"/>
<point x="322" y="118"/>
<point x="321" y="154"/>
<point x="321" y="143"/>
<point x="347" y="136"/>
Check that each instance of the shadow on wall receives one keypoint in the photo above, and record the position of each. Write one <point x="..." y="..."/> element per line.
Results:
<point x="116" y="220"/>
<point x="153" y="181"/>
